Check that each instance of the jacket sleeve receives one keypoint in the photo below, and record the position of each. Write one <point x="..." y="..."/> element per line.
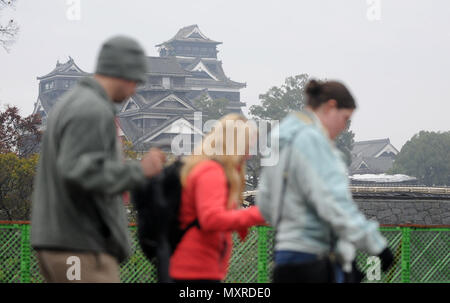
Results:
<point x="86" y="155"/>
<point x="322" y="178"/>
<point x="211" y="199"/>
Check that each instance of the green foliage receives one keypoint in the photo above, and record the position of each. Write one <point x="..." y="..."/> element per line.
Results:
<point x="128" y="151"/>
<point x="253" y="170"/>
<point x="427" y="157"/>
<point x="345" y="143"/>
<point x="276" y="103"/>
<point x="16" y="185"/>
<point x="213" y="109"/>
<point x="279" y="101"/>
<point x="129" y="154"/>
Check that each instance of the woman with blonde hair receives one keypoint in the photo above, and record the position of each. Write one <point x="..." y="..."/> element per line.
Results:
<point x="213" y="179"/>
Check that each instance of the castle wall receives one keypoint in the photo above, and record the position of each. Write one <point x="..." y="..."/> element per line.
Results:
<point x="411" y="211"/>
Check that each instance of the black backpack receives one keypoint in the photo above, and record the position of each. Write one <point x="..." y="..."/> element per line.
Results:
<point x="157" y="204"/>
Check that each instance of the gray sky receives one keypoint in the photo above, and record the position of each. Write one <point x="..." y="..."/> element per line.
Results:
<point x="397" y="67"/>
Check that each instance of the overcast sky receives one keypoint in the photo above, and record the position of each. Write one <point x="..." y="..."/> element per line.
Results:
<point x="397" y="67"/>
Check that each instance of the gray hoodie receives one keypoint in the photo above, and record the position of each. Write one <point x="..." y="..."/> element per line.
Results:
<point x="77" y="203"/>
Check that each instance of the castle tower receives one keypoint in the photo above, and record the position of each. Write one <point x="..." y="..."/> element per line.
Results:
<point x="51" y="86"/>
<point x="197" y="54"/>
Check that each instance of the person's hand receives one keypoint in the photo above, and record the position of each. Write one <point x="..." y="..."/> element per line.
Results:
<point x="387" y="259"/>
<point x="153" y="162"/>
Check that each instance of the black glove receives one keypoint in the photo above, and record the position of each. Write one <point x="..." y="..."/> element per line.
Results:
<point x="355" y="276"/>
<point x="387" y="258"/>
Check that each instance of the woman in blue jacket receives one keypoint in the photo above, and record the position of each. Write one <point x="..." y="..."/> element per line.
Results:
<point x="306" y="195"/>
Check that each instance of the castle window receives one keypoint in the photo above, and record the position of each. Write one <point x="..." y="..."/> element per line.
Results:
<point x="178" y="81"/>
<point x="155" y="80"/>
<point x="166" y="82"/>
<point x="49" y="85"/>
<point x="138" y="122"/>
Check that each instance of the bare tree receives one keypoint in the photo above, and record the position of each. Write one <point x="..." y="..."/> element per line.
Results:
<point x="10" y="29"/>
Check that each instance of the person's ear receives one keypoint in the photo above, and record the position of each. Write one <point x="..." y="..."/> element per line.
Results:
<point x="330" y="104"/>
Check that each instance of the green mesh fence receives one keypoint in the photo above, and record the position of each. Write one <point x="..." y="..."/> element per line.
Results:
<point x="430" y="256"/>
<point x="10" y="253"/>
<point x="422" y="255"/>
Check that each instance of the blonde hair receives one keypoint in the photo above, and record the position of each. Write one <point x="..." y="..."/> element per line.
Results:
<point x="229" y="146"/>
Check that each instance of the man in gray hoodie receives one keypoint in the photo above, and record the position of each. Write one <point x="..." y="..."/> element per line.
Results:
<point x="79" y="222"/>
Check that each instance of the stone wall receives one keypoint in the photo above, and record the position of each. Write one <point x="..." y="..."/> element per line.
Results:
<point x="399" y="205"/>
<point x="411" y="211"/>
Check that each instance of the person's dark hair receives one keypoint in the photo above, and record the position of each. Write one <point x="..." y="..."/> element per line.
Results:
<point x="318" y="92"/>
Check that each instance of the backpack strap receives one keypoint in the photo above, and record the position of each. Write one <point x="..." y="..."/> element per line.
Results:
<point x="285" y="179"/>
<point x="194" y="223"/>
<point x="307" y="119"/>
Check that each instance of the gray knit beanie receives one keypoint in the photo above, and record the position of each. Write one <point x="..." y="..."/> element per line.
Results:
<point x="122" y="57"/>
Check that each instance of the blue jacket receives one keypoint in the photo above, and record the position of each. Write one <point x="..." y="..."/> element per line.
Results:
<point x="318" y="206"/>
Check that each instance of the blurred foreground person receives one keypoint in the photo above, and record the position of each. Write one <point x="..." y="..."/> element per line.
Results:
<point x="213" y="180"/>
<point x="306" y="196"/>
<point x="79" y="223"/>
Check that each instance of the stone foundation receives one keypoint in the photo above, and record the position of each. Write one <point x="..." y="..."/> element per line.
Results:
<point x="422" y="212"/>
<point x="399" y="205"/>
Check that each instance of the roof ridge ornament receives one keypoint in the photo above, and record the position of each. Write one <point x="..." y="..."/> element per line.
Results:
<point x="196" y="30"/>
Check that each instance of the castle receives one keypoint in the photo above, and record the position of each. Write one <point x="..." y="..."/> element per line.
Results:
<point x="187" y="69"/>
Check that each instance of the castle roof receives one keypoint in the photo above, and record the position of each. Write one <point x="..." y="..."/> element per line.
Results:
<point x="167" y="66"/>
<point x="207" y="72"/>
<point x="190" y="33"/>
<point x="370" y="148"/>
<point x="371" y="165"/>
<point x="372" y="156"/>
<point x="70" y="68"/>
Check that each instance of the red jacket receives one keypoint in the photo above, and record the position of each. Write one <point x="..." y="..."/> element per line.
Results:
<point x="204" y="253"/>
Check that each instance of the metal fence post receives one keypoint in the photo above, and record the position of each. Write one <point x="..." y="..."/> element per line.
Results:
<point x="262" y="254"/>
<point x="25" y="256"/>
<point x="406" y="254"/>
